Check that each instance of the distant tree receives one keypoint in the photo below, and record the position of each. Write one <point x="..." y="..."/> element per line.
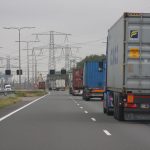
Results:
<point x="91" y="58"/>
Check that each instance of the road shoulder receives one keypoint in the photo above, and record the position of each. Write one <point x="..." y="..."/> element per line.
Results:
<point x="10" y="108"/>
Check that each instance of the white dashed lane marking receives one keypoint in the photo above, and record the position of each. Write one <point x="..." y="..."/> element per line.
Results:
<point x="107" y="132"/>
<point x="86" y="112"/>
<point x="93" y="119"/>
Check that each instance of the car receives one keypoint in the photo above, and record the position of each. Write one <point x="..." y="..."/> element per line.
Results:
<point x="7" y="87"/>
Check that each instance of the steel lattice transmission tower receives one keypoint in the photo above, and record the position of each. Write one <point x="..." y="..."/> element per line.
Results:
<point x="67" y="57"/>
<point x="51" y="63"/>
<point x="52" y="47"/>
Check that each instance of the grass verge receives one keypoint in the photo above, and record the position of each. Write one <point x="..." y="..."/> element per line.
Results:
<point x="30" y="93"/>
<point x="13" y="99"/>
<point x="6" y="101"/>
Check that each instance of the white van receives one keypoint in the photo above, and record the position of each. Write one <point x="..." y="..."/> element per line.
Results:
<point x="7" y="87"/>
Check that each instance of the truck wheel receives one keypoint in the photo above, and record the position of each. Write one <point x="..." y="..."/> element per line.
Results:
<point x="87" y="99"/>
<point x="83" y="97"/>
<point x="102" y="98"/>
<point x="108" y="112"/>
<point x="120" y="114"/>
<point x="104" y="110"/>
<point x="118" y="110"/>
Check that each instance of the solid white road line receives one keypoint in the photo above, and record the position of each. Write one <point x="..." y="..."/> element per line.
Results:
<point x="81" y="107"/>
<point x="93" y="119"/>
<point x="107" y="132"/>
<point x="17" y="110"/>
<point x="86" y="112"/>
<point x="78" y="104"/>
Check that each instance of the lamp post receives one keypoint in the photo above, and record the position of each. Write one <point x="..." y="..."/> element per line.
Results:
<point x="28" y="69"/>
<point x="19" y="30"/>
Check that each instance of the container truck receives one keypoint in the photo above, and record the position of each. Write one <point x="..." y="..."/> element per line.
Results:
<point x="61" y="79"/>
<point x="128" y="68"/>
<point x="77" y="82"/>
<point x="60" y="84"/>
<point x="52" y="85"/>
<point x="41" y="85"/>
<point x="94" y="75"/>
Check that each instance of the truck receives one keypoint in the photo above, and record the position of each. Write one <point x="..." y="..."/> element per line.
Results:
<point x="52" y="85"/>
<point x="94" y="75"/>
<point x="7" y="87"/>
<point x="128" y="68"/>
<point x="41" y="85"/>
<point x="77" y="82"/>
<point x="60" y="84"/>
<point x="57" y="81"/>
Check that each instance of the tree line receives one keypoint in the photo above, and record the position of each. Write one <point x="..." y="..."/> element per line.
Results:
<point x="91" y="58"/>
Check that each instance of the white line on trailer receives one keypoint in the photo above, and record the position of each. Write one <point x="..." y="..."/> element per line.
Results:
<point x="107" y="132"/>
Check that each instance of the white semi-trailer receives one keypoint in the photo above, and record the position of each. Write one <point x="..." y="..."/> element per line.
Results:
<point x="128" y="68"/>
<point x="60" y="84"/>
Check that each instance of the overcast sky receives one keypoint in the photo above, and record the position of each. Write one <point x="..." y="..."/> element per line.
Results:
<point x="86" y="20"/>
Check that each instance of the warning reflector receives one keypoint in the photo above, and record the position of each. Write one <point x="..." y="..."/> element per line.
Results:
<point x="134" y="53"/>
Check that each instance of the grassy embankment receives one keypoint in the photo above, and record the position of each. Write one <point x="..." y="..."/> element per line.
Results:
<point x="12" y="99"/>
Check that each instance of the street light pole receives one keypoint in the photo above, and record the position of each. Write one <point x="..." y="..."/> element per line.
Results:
<point x="19" y="30"/>
<point x="19" y="60"/>
<point x="27" y="49"/>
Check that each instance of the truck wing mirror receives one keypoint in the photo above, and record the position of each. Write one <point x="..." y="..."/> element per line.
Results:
<point x="100" y="66"/>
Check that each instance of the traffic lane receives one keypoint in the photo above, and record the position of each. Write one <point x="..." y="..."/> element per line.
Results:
<point x="51" y="123"/>
<point x="126" y="133"/>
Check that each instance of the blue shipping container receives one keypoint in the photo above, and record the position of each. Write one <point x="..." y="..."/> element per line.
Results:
<point x="94" y="75"/>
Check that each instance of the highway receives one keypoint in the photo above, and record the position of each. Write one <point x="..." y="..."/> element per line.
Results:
<point x="60" y="121"/>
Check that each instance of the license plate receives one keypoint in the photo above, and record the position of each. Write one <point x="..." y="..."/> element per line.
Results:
<point x="145" y="106"/>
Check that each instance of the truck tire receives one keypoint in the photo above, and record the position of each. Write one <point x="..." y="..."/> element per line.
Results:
<point x="102" y="98"/>
<point x="87" y="99"/>
<point x="83" y="96"/>
<point x="108" y="112"/>
<point x="118" y="110"/>
<point x="104" y="110"/>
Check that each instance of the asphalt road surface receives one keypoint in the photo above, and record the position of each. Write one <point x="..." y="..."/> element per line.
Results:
<point x="60" y="121"/>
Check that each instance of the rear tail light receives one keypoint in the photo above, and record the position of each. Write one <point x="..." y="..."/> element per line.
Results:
<point x="130" y="98"/>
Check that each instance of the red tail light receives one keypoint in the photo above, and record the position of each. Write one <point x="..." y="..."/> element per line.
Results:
<point x="130" y="98"/>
